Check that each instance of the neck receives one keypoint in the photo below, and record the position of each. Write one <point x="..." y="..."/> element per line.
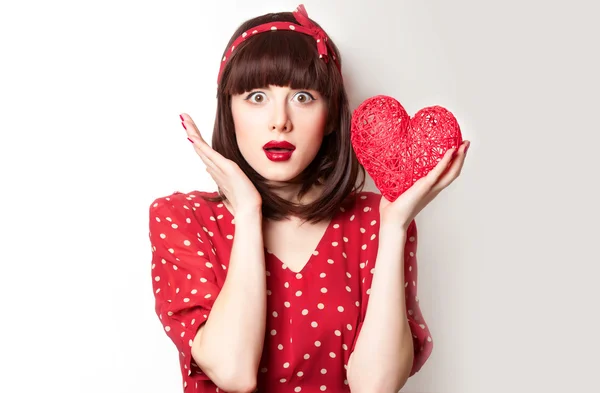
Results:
<point x="290" y="193"/>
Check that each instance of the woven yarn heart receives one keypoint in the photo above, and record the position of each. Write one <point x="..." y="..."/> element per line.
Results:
<point x="397" y="150"/>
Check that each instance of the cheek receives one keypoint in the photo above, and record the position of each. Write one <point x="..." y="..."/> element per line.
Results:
<point x="244" y="123"/>
<point x="319" y="123"/>
<point x="314" y="120"/>
<point x="321" y="119"/>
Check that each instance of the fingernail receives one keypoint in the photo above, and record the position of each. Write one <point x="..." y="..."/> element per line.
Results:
<point x="183" y="124"/>
<point x="181" y="117"/>
<point x="467" y="148"/>
<point x="190" y="140"/>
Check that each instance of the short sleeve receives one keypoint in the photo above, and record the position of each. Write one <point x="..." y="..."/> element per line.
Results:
<point x="183" y="278"/>
<point x="422" y="341"/>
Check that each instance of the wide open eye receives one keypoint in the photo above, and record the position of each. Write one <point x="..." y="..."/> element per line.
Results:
<point x="256" y="97"/>
<point x="304" y="97"/>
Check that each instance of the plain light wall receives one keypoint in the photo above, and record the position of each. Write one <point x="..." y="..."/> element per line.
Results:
<point x="90" y="94"/>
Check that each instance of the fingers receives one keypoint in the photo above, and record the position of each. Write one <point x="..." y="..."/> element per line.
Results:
<point x="204" y="150"/>
<point x="434" y="175"/>
<point x="193" y="133"/>
<point x="453" y="171"/>
<point x="206" y="153"/>
<point x="444" y="173"/>
<point x="425" y="184"/>
<point x="217" y="166"/>
<point x="190" y="127"/>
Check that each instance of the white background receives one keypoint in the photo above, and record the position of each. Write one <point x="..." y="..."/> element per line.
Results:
<point x="90" y="94"/>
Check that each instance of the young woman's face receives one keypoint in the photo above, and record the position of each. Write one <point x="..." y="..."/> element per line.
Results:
<point x="279" y="114"/>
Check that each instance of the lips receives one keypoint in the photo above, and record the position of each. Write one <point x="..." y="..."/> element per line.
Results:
<point x="279" y="146"/>
<point x="279" y="150"/>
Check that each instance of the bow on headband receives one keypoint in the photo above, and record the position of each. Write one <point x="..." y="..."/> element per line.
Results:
<point x="305" y="26"/>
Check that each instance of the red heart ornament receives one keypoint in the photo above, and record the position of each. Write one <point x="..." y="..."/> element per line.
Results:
<point x="397" y="150"/>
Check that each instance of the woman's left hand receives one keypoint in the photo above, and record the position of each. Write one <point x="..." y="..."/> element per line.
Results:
<point x="406" y="207"/>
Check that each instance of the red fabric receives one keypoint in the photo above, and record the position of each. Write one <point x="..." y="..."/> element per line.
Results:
<point x="314" y="316"/>
<point x="305" y="26"/>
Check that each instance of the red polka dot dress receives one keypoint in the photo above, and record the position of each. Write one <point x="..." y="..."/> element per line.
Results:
<point x="314" y="316"/>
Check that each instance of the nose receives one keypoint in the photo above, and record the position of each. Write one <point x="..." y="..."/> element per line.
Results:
<point x="281" y="121"/>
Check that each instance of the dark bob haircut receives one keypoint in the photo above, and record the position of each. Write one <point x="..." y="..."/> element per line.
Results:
<point x="287" y="58"/>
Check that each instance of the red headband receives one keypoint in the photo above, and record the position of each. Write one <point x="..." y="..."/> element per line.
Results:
<point x="305" y="27"/>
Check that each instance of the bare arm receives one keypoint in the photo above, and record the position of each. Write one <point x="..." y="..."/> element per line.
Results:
<point x="228" y="347"/>
<point x="383" y="355"/>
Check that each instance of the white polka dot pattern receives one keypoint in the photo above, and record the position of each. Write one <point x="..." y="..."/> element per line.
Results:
<point x="314" y="316"/>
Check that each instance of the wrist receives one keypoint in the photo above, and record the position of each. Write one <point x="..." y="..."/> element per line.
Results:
<point x="393" y="225"/>
<point x="248" y="214"/>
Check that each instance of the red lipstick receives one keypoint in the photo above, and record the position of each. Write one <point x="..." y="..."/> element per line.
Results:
<point x="279" y="150"/>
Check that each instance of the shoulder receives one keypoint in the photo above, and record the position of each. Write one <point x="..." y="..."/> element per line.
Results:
<point x="369" y="197"/>
<point x="179" y="199"/>
<point x="365" y="202"/>
<point x="366" y="207"/>
<point x="179" y="204"/>
<point x="360" y="213"/>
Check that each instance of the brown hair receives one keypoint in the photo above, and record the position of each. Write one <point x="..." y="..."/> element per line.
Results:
<point x="287" y="58"/>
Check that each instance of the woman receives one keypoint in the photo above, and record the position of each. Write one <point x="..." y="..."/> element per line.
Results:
<point x="269" y="284"/>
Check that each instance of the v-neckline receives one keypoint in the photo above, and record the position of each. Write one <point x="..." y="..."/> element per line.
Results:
<point x="312" y="254"/>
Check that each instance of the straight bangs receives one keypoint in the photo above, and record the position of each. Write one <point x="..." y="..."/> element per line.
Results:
<point x="279" y="58"/>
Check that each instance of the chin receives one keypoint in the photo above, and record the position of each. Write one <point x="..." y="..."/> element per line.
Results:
<point x="279" y="172"/>
<point x="279" y="177"/>
<point x="272" y="171"/>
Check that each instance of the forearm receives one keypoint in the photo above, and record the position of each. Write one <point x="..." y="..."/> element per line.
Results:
<point x="383" y="354"/>
<point x="230" y="343"/>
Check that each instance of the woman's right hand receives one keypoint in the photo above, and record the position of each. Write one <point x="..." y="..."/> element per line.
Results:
<point x="241" y="193"/>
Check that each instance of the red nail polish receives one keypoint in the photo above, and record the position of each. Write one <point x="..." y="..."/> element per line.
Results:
<point x="190" y="140"/>
<point x="183" y="124"/>
<point x="181" y="117"/>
